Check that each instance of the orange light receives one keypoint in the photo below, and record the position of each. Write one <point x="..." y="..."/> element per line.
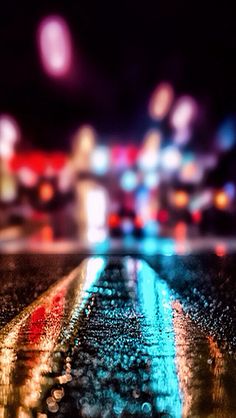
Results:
<point x="47" y="233"/>
<point x="161" y="101"/>
<point x="180" y="199"/>
<point x="180" y="231"/>
<point x="221" y="200"/>
<point x="46" y="192"/>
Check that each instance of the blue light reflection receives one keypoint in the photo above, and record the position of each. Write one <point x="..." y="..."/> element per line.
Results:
<point x="157" y="327"/>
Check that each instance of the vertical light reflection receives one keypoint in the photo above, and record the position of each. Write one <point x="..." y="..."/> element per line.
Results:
<point x="155" y="306"/>
<point x="184" y="361"/>
<point x="91" y="273"/>
<point x="204" y="371"/>
<point x="37" y="331"/>
<point x="220" y="396"/>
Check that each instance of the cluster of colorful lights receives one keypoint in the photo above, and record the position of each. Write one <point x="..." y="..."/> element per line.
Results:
<point x="135" y="176"/>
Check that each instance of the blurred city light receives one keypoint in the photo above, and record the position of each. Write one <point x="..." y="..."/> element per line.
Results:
<point x="55" y="46"/>
<point x="100" y="160"/>
<point x="96" y="213"/>
<point x="171" y="158"/>
<point x="180" y="198"/>
<point x="9" y="135"/>
<point x="221" y="200"/>
<point x="226" y="136"/>
<point x="184" y="113"/>
<point x="129" y="181"/>
<point x="154" y="188"/>
<point x="161" y="101"/>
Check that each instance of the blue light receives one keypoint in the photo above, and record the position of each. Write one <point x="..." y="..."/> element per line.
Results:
<point x="151" y="180"/>
<point x="127" y="226"/>
<point x="151" y="228"/>
<point x="155" y="301"/>
<point x="152" y="246"/>
<point x="100" y="160"/>
<point x="226" y="137"/>
<point x="229" y="188"/>
<point x="129" y="181"/>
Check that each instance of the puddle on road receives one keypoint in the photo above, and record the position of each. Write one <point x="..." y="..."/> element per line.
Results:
<point x="110" y="340"/>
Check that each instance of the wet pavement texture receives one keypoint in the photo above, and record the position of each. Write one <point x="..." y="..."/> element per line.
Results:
<point x="117" y="336"/>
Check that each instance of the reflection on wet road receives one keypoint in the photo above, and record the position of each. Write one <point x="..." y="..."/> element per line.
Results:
<point x="113" y="339"/>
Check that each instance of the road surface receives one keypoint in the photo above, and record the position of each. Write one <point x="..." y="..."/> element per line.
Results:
<point x="117" y="336"/>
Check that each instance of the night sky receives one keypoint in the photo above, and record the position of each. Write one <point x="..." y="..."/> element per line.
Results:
<point x="122" y="50"/>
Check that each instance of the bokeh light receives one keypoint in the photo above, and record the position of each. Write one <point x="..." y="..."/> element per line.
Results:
<point x="161" y="101"/>
<point x="55" y="47"/>
<point x="171" y="158"/>
<point x="184" y="113"/>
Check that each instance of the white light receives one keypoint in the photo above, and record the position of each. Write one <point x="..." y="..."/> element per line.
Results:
<point x="6" y="150"/>
<point x="171" y="158"/>
<point x="27" y="177"/>
<point x="96" y="206"/>
<point x="148" y="160"/>
<point x="151" y="180"/>
<point x="55" y="46"/>
<point x="9" y="135"/>
<point x="100" y="160"/>
<point x="97" y="235"/>
<point x="184" y="113"/>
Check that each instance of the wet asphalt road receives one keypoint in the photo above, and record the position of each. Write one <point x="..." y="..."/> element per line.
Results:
<point x="117" y="337"/>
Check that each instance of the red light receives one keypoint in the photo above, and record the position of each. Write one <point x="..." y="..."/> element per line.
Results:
<point x="114" y="220"/>
<point x="132" y="153"/>
<point x="57" y="160"/>
<point x="163" y="216"/>
<point x="139" y="222"/>
<point x="180" y="231"/>
<point x="196" y="217"/>
<point x="37" y="162"/>
<point x="220" y="250"/>
<point x="16" y="162"/>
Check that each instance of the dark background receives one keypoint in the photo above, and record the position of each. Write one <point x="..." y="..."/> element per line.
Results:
<point x="122" y="48"/>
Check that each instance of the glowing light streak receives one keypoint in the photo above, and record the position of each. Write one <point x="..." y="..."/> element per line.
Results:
<point x="155" y="305"/>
